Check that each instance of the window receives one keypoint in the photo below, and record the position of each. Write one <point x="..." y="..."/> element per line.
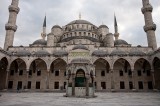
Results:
<point x="65" y="74"/>
<point x="130" y="73"/>
<point x="56" y="73"/>
<point x="29" y="85"/>
<point x="148" y="73"/>
<point x="30" y="72"/>
<point x="130" y="85"/>
<point x="95" y="85"/>
<point x="10" y="84"/>
<point x="39" y="73"/>
<point x="64" y="85"/>
<point x="139" y="73"/>
<point x="19" y="86"/>
<point x="21" y="72"/>
<point x="56" y="85"/>
<point x="140" y="84"/>
<point x="122" y="86"/>
<point x="103" y="85"/>
<point x="38" y="85"/>
<point x="12" y="72"/>
<point x="79" y="33"/>
<point x="102" y="73"/>
<point x="120" y="73"/>
<point x="150" y="85"/>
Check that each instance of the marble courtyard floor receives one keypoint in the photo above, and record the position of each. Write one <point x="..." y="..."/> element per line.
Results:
<point x="102" y="99"/>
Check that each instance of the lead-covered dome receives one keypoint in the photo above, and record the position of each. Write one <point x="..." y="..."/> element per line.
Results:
<point x="118" y="52"/>
<point x="80" y="22"/>
<point x="80" y="46"/>
<point x="100" y="53"/>
<point x="60" y="53"/>
<point x="120" y="42"/>
<point x="42" y="53"/>
<point x="23" y="53"/>
<point x="136" y="52"/>
<point x="40" y="42"/>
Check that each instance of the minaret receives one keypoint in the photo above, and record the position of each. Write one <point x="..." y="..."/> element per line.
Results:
<point x="149" y="27"/>
<point x="116" y="34"/>
<point x="43" y="34"/>
<point x="11" y="26"/>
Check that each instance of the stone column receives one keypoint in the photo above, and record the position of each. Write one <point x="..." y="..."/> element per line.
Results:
<point x="26" y="83"/>
<point x="6" y="82"/>
<point x="87" y="85"/>
<point x="152" y="71"/>
<point x="112" y="80"/>
<point x="47" y="80"/>
<point x="133" y="79"/>
<point x="73" y="84"/>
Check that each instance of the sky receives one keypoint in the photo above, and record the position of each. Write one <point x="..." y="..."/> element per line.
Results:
<point x="61" y="12"/>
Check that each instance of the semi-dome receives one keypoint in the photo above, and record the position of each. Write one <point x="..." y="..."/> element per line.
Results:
<point x="40" y="42"/>
<point x="100" y="53"/>
<point x="120" y="42"/>
<point x="80" y="46"/>
<point x="103" y="26"/>
<point x="118" y="52"/>
<point x="56" y="26"/>
<point x="60" y="53"/>
<point x="80" y="60"/>
<point x="42" y="53"/>
<point x="23" y="53"/>
<point x="80" y="22"/>
<point x="136" y="52"/>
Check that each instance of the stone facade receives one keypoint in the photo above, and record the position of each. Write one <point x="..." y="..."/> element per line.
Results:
<point x="80" y="49"/>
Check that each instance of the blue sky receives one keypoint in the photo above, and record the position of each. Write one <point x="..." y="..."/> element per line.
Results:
<point x="30" y="19"/>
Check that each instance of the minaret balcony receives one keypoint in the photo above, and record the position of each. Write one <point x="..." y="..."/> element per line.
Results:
<point x="11" y="27"/>
<point x="147" y="8"/>
<point x="150" y="27"/>
<point x="13" y="8"/>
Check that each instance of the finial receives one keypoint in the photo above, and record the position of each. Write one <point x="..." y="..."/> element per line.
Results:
<point x="79" y="16"/>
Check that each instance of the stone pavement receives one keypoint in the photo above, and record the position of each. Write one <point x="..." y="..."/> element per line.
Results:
<point x="57" y="99"/>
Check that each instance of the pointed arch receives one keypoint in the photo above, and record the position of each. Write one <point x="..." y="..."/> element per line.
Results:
<point x="156" y="66"/>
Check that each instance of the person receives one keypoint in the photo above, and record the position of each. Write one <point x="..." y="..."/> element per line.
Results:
<point x="17" y="89"/>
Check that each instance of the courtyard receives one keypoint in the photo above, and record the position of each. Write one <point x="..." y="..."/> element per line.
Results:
<point x="102" y="99"/>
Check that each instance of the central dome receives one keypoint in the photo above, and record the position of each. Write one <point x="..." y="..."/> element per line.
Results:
<point x="80" y="22"/>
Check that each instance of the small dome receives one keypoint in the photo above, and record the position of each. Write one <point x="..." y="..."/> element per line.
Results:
<point x="23" y="53"/>
<point x="120" y="42"/>
<point x="56" y="26"/>
<point x="60" y="53"/>
<point x="118" y="53"/>
<point x="103" y="26"/>
<point x="42" y="53"/>
<point x="40" y="42"/>
<point x="136" y="52"/>
<point x="80" y="60"/>
<point x="150" y="53"/>
<point x="100" y="53"/>
<point x="80" y="22"/>
<point x="80" y="46"/>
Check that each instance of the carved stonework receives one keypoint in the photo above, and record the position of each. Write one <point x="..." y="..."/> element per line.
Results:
<point x="9" y="26"/>
<point x="148" y="8"/>
<point x="150" y="27"/>
<point x="13" y="8"/>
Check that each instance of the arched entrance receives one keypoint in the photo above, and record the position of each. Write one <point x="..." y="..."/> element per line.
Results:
<point x="3" y="72"/>
<point x="144" y="80"/>
<point x="102" y="81"/>
<point x="17" y="76"/>
<point x="80" y="80"/>
<point x="122" y="75"/>
<point x="156" y="65"/>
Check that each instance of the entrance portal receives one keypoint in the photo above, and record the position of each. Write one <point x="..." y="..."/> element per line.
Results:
<point x="80" y="80"/>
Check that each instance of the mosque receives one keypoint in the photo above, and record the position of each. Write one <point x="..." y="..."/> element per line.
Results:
<point x="80" y="58"/>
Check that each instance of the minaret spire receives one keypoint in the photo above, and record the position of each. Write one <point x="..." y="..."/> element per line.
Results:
<point x="116" y="34"/>
<point x="149" y="27"/>
<point x="80" y="16"/>
<point x="43" y="34"/>
<point x="11" y="26"/>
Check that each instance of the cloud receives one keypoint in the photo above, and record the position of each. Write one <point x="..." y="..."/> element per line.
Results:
<point x="31" y="16"/>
